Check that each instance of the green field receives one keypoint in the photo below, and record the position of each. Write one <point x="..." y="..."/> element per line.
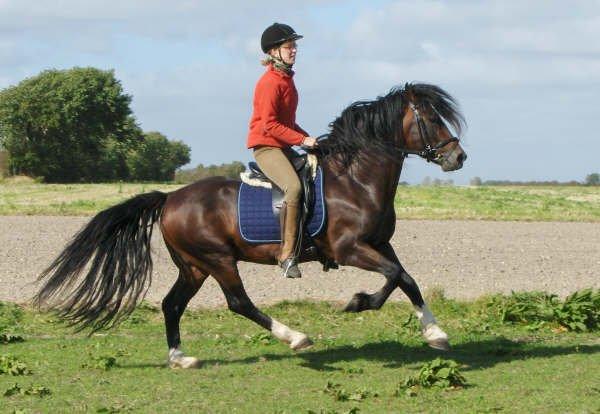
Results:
<point x="535" y="203"/>
<point x="358" y="363"/>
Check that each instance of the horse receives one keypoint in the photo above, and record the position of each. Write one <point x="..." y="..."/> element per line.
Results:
<point x="105" y="270"/>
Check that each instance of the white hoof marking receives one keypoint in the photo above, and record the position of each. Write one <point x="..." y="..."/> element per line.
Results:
<point x="434" y="333"/>
<point x="297" y="340"/>
<point x="301" y="343"/>
<point x="177" y="359"/>
<point x="431" y="331"/>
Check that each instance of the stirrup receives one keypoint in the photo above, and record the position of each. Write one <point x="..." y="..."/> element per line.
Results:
<point x="290" y="268"/>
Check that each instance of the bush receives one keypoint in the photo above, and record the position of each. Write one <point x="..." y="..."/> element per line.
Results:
<point x="157" y="158"/>
<point x="592" y="179"/>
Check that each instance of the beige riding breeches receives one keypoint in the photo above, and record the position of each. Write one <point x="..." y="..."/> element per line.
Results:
<point x="275" y="163"/>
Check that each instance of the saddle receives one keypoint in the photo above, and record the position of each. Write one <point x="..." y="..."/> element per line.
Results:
<point x="305" y="175"/>
<point x="306" y="172"/>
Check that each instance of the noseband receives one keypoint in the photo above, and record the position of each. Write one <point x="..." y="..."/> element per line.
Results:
<point x="430" y="149"/>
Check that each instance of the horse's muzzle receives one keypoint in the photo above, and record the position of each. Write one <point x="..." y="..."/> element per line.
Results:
<point x="454" y="160"/>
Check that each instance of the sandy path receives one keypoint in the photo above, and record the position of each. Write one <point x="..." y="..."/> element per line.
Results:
<point x="465" y="258"/>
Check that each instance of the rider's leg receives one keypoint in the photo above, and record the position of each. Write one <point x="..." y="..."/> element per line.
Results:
<point x="277" y="167"/>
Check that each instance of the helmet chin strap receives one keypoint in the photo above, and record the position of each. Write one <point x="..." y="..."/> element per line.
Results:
<point x="279" y="63"/>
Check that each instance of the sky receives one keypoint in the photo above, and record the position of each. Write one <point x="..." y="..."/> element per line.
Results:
<point x="525" y="73"/>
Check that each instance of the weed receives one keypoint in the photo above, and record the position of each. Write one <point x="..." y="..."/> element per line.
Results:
<point x="117" y="408"/>
<point x="261" y="338"/>
<point x="352" y="370"/>
<point x="10" y="315"/>
<point x="340" y="394"/>
<point x="579" y="312"/>
<point x="103" y="362"/>
<point x="353" y="410"/>
<point x="38" y="390"/>
<point x="7" y="338"/>
<point x="437" y="373"/>
<point x="12" y="366"/>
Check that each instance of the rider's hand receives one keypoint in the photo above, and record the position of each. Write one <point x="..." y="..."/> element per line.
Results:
<point x="309" y="142"/>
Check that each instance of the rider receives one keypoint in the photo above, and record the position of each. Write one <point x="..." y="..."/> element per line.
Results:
<point x="273" y="131"/>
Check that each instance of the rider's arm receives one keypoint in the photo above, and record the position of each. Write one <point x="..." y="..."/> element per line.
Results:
<point x="299" y="129"/>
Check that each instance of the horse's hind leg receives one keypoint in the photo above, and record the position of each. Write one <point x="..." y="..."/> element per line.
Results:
<point x="239" y="302"/>
<point x="385" y="261"/>
<point x="173" y="305"/>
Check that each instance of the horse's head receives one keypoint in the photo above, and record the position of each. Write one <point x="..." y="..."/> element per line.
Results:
<point x="426" y="119"/>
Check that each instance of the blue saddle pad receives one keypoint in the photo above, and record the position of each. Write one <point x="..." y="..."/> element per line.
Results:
<point x="257" y="222"/>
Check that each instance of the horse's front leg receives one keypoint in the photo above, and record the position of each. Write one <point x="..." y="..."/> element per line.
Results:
<point x="384" y="260"/>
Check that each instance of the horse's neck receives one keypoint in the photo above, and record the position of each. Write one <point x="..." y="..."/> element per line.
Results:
<point x="375" y="172"/>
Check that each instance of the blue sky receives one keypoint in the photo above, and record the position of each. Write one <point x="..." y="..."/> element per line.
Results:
<point x="526" y="74"/>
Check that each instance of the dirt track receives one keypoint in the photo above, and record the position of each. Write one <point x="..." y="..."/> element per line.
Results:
<point x="465" y="258"/>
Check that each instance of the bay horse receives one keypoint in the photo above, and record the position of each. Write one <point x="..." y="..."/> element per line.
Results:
<point x="106" y="268"/>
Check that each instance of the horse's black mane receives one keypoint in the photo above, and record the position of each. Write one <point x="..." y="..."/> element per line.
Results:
<point x="375" y="124"/>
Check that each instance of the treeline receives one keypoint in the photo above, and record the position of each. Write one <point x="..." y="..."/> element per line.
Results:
<point x="230" y="170"/>
<point x="76" y="125"/>
<point x="590" y="179"/>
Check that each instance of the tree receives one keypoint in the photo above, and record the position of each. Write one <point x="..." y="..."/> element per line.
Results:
<point x="68" y="125"/>
<point x="476" y="181"/>
<point x="3" y="163"/>
<point x="157" y="158"/>
<point x="231" y="170"/>
<point x="592" y="179"/>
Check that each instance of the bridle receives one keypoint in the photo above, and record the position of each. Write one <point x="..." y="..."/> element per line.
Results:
<point x="430" y="149"/>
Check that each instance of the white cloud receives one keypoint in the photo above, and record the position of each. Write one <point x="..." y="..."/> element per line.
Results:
<point x="191" y="65"/>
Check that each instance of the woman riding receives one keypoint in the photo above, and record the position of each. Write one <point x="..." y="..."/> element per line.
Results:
<point x="273" y="131"/>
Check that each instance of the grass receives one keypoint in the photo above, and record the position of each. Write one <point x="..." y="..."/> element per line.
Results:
<point x="69" y="199"/>
<point x="521" y="203"/>
<point x="359" y="363"/>
<point x="536" y="203"/>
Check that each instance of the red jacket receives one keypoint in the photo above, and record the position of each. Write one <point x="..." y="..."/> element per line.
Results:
<point x="273" y="121"/>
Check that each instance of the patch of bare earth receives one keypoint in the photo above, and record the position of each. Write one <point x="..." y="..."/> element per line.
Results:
<point x="465" y="258"/>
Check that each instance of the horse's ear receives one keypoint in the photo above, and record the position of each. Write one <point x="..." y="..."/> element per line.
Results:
<point x="408" y="90"/>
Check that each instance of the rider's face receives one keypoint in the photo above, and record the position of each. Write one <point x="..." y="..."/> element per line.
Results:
<point x="287" y="52"/>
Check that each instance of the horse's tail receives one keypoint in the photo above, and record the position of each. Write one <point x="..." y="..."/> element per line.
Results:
<point x="116" y="243"/>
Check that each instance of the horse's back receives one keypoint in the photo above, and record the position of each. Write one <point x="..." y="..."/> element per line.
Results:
<point x="205" y="209"/>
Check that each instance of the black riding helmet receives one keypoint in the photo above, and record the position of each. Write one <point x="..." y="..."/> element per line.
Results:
<point x="277" y="34"/>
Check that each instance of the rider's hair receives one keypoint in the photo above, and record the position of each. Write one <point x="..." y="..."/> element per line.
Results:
<point x="267" y="60"/>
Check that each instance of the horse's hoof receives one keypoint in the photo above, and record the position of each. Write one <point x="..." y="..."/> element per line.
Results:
<point x="301" y="343"/>
<point x="436" y="338"/>
<point x="358" y="303"/>
<point x="440" y="344"/>
<point x="177" y="359"/>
